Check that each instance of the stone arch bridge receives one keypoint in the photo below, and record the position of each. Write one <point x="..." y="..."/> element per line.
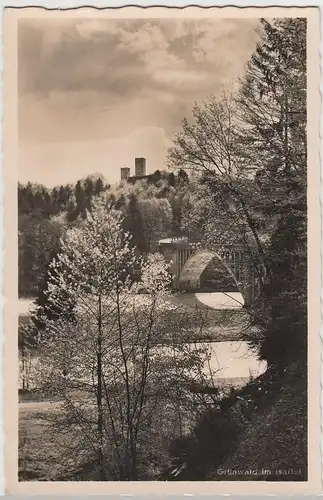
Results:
<point x="225" y="269"/>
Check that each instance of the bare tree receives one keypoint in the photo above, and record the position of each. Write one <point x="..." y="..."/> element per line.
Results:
<point x="210" y="145"/>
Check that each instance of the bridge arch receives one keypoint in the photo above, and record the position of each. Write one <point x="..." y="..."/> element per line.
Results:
<point x="189" y="265"/>
<point x="193" y="275"/>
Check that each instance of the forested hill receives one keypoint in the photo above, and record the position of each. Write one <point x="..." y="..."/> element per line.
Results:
<point x="151" y="207"/>
<point x="72" y="199"/>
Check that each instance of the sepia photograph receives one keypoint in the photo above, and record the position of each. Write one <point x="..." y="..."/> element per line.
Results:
<point x="161" y="195"/>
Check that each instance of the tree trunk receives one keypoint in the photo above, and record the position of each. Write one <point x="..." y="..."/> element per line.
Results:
<point x="133" y="459"/>
<point x="100" y="397"/>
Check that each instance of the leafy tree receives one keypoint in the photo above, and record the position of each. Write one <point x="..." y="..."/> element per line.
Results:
<point x="46" y="310"/>
<point x="121" y="388"/>
<point x="156" y="215"/>
<point x="207" y="146"/>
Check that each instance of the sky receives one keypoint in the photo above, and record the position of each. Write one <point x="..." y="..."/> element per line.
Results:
<point x="95" y="93"/>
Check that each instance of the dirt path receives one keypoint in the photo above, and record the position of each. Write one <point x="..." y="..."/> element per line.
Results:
<point x="36" y="406"/>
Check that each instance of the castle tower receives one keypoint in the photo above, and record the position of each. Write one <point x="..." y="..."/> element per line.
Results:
<point x="140" y="167"/>
<point x="125" y="173"/>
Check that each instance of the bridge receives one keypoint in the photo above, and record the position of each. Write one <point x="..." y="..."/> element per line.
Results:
<point x="199" y="269"/>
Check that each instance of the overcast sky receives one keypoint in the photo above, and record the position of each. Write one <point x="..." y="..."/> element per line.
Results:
<point x="93" y="94"/>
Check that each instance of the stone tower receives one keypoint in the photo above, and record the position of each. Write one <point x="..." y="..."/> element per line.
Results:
<point x="125" y="173"/>
<point x="140" y="167"/>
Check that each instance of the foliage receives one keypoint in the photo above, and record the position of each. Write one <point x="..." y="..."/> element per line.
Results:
<point x="43" y="215"/>
<point x="273" y="444"/>
<point x="121" y="388"/>
<point x="213" y="437"/>
<point x="248" y="153"/>
<point x="37" y="239"/>
<point x="151" y="208"/>
<point x="276" y="136"/>
<point x="133" y="223"/>
<point x="156" y="215"/>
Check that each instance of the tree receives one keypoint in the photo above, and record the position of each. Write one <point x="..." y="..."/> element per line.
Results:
<point x="156" y="215"/>
<point x="38" y="237"/>
<point x="171" y="179"/>
<point x="182" y="176"/>
<point x="209" y="147"/>
<point x="119" y="383"/>
<point x="272" y="107"/>
<point x="99" y="186"/>
<point x="81" y="199"/>
<point x="249" y="150"/>
<point x="134" y="225"/>
<point x="45" y="310"/>
<point x="273" y="110"/>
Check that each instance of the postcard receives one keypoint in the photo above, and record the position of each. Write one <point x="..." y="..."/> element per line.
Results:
<point x="162" y="250"/>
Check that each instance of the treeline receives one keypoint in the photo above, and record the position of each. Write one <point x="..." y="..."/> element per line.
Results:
<point x="151" y="209"/>
<point x="42" y="216"/>
<point x="73" y="200"/>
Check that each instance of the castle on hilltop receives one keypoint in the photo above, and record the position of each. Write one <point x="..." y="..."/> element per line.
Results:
<point x="140" y="171"/>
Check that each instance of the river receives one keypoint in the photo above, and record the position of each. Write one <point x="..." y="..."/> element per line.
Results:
<point x="233" y="362"/>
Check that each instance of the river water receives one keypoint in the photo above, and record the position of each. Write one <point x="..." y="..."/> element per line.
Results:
<point x="233" y="362"/>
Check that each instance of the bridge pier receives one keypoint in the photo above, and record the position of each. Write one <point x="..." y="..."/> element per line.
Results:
<point x="248" y="296"/>
<point x="177" y="251"/>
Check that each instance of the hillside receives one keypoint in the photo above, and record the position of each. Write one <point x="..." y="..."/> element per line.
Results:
<point x="273" y="446"/>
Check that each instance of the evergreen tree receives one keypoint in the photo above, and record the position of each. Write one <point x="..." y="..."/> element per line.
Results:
<point x="99" y="186"/>
<point x="88" y="189"/>
<point x="253" y="148"/>
<point x="81" y="200"/>
<point x="38" y="238"/>
<point x="171" y="179"/>
<point x="134" y="225"/>
<point x="274" y="109"/>
<point x="120" y="394"/>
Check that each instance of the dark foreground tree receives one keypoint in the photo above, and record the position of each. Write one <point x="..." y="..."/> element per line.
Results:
<point x="273" y="110"/>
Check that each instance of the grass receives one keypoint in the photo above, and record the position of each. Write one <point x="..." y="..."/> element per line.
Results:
<point x="32" y="396"/>
<point x="37" y="461"/>
<point x="46" y="454"/>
